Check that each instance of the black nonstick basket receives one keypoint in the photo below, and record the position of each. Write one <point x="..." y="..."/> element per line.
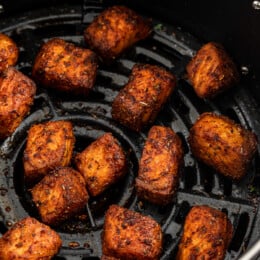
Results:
<point x="170" y="46"/>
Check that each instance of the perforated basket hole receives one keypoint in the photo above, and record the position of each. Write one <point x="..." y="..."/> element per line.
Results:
<point x="240" y="231"/>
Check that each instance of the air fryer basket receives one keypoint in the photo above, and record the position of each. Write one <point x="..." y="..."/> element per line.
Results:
<point x="171" y="48"/>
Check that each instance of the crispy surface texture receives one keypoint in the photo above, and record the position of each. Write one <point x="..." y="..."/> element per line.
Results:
<point x="49" y="145"/>
<point x="66" y="67"/>
<point x="139" y="102"/>
<point x="131" y="236"/>
<point x="9" y="52"/>
<point x="29" y="239"/>
<point x="115" y="30"/>
<point x="16" y="98"/>
<point x="104" y="257"/>
<point x="212" y="71"/>
<point x="159" y="167"/>
<point x="222" y="144"/>
<point x="102" y="163"/>
<point x="60" y="195"/>
<point x="207" y="234"/>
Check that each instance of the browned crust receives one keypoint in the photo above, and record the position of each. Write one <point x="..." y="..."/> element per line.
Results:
<point x="102" y="163"/>
<point x="206" y="235"/>
<point x="130" y="235"/>
<point x="212" y="71"/>
<point x="104" y="257"/>
<point x="159" y="167"/>
<point x="49" y="145"/>
<point x="9" y="52"/>
<point x="29" y="239"/>
<point x="115" y="30"/>
<point x="16" y="98"/>
<point x="60" y="195"/>
<point x="222" y="144"/>
<point x="147" y="90"/>
<point x="66" y="67"/>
